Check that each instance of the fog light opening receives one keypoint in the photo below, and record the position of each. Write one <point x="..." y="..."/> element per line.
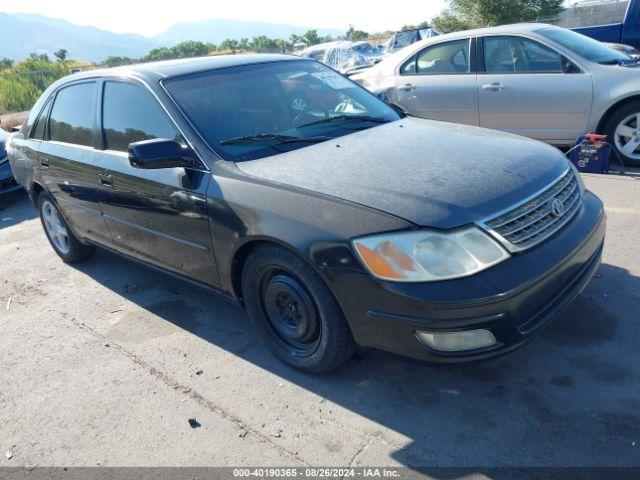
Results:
<point x="458" y="341"/>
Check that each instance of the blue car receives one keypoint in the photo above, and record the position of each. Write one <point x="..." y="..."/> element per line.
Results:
<point x="7" y="182"/>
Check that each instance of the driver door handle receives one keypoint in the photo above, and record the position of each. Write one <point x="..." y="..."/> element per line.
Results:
<point x="494" y="87"/>
<point x="407" y="87"/>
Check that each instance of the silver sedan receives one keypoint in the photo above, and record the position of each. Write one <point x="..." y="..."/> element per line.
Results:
<point x="536" y="80"/>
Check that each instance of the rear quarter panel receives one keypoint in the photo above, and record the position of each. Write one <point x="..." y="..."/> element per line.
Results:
<point x="21" y="160"/>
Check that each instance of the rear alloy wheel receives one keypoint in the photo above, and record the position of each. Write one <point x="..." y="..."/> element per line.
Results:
<point x="291" y="306"/>
<point x="62" y="239"/>
<point x="623" y="130"/>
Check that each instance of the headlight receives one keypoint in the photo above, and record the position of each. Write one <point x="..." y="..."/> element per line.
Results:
<point x="427" y="256"/>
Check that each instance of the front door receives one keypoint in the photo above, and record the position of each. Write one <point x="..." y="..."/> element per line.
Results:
<point x="158" y="216"/>
<point x="527" y="89"/>
<point x="439" y="83"/>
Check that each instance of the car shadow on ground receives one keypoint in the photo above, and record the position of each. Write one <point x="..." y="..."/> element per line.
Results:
<point x="15" y="208"/>
<point x="562" y="400"/>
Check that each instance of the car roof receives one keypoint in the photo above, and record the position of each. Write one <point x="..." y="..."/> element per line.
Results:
<point x="154" y="71"/>
<point x="506" y="29"/>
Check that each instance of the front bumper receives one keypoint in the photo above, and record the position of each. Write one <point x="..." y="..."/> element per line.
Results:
<point x="514" y="300"/>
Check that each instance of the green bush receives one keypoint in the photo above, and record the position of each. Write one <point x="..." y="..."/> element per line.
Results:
<point x="21" y="85"/>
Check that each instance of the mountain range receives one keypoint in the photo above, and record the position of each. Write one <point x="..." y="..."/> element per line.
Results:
<point x="25" y="33"/>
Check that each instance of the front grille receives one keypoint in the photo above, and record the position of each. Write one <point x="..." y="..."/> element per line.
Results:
<point x="537" y="218"/>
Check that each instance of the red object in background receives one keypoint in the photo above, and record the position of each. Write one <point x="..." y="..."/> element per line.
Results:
<point x="595" y="138"/>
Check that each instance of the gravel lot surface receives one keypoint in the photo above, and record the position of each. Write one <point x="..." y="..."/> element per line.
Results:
<point x="106" y="362"/>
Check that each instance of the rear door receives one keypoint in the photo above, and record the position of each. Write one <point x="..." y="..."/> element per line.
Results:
<point x="439" y="82"/>
<point x="66" y="159"/>
<point x="526" y="88"/>
<point x="158" y="216"/>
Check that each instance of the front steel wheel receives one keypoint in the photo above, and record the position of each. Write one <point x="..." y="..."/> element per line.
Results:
<point x="295" y="312"/>
<point x="291" y="314"/>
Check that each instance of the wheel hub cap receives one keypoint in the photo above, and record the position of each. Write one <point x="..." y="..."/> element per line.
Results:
<point x="627" y="136"/>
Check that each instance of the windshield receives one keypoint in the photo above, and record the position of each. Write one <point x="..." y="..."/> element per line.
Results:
<point x="586" y="47"/>
<point x="258" y="110"/>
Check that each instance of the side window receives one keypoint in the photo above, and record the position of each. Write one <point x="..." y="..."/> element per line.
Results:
<point x="448" y="57"/>
<point x="519" y="55"/>
<point x="409" y="68"/>
<point x="38" y="130"/>
<point x="72" y="114"/>
<point x="130" y="114"/>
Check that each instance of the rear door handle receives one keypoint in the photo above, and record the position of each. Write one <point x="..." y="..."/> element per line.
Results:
<point x="44" y="162"/>
<point x="105" y="180"/>
<point x="494" y="87"/>
<point x="407" y="87"/>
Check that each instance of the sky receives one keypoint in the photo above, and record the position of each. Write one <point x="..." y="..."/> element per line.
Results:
<point x="149" y="17"/>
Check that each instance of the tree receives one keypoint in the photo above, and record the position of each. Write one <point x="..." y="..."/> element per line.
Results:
<point x="357" y="35"/>
<point x="6" y="63"/>
<point x="295" y="38"/>
<point x="311" y="37"/>
<point x="191" y="48"/>
<point x="465" y="14"/>
<point x="43" y="57"/>
<point x="229" y="44"/>
<point x="114" y="61"/>
<point x="61" y="54"/>
<point x="424" y="24"/>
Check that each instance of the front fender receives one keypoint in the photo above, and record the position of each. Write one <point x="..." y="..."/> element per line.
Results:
<point x="317" y="227"/>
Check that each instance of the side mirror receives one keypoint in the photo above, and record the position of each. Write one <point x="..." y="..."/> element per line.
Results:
<point x="161" y="153"/>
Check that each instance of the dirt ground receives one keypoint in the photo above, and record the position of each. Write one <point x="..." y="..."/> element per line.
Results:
<point x="108" y="363"/>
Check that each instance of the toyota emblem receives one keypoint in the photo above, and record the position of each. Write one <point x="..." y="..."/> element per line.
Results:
<point x="557" y="207"/>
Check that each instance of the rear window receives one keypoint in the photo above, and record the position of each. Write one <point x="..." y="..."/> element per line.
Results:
<point x="72" y="115"/>
<point x="586" y="47"/>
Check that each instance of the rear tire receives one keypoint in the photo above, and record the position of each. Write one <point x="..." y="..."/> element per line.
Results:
<point x="623" y="133"/>
<point x="60" y="236"/>
<point x="294" y="311"/>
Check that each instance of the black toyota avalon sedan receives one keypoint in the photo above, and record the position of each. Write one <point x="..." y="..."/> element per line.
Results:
<point x="337" y="222"/>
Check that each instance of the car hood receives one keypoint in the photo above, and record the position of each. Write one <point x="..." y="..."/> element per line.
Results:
<point x="430" y="173"/>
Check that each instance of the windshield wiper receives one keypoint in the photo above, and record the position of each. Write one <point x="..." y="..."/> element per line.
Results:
<point x="357" y="118"/>
<point x="271" y="137"/>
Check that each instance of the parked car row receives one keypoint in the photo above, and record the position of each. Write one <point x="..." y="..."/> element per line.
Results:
<point x="336" y="220"/>
<point x="536" y="80"/>
<point x="344" y="56"/>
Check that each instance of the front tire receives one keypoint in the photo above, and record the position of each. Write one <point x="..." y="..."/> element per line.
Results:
<point x="60" y="236"/>
<point x="294" y="311"/>
<point x="623" y="133"/>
